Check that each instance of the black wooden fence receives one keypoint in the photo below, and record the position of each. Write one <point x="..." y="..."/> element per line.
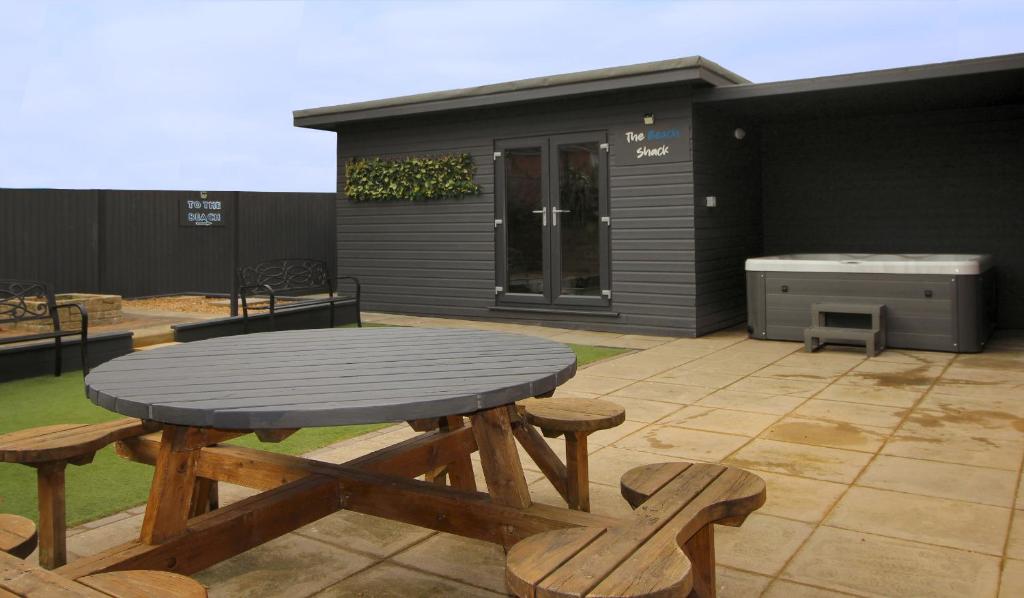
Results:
<point x="140" y="243"/>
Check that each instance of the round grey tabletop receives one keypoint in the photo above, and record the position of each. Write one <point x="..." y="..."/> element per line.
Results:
<point x="329" y="377"/>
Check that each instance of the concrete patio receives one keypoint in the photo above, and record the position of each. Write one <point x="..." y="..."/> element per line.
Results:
<point x="896" y="475"/>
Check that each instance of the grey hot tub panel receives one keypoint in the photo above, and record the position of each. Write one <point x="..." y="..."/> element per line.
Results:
<point x="937" y="312"/>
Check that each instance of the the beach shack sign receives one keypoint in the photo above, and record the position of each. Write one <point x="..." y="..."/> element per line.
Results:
<point x="201" y="211"/>
<point x="664" y="142"/>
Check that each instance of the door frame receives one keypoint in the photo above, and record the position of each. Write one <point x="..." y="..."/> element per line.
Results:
<point x="501" y="230"/>
<point x="551" y="254"/>
<point x="603" y="210"/>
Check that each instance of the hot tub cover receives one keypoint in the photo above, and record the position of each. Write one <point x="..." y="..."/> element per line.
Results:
<point x="876" y="263"/>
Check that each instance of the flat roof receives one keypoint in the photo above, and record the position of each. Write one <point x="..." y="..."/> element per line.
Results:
<point x="722" y="85"/>
<point x="939" y="70"/>
<point x="693" y="69"/>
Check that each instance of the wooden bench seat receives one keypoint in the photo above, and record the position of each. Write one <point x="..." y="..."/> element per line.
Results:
<point x="49" y="449"/>
<point x="665" y="549"/>
<point x="17" y="535"/>
<point x="576" y="419"/>
<point x="18" y="578"/>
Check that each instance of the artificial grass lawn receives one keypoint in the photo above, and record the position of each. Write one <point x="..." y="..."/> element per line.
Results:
<point x="110" y="484"/>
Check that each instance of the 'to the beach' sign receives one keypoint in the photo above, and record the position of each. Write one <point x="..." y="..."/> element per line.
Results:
<point x="201" y="211"/>
<point x="664" y="142"/>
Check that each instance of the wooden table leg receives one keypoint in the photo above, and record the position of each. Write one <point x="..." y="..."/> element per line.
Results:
<point x="499" y="458"/>
<point x="174" y="481"/>
<point x="578" y="479"/>
<point x="460" y="471"/>
<point x="204" y="497"/>
<point x="52" y="517"/>
<point x="700" y="549"/>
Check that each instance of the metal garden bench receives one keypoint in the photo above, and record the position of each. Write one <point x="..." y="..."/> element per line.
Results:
<point x="287" y="278"/>
<point x="31" y="300"/>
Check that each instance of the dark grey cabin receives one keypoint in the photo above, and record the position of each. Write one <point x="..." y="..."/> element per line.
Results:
<point x="926" y="159"/>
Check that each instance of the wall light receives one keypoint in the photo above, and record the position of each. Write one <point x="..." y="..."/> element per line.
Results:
<point x="739" y="133"/>
<point x="649" y="118"/>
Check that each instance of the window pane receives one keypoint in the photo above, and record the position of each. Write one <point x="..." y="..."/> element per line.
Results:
<point x="524" y="195"/>
<point x="579" y="218"/>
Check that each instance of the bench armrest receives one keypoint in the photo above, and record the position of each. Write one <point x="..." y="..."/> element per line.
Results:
<point x="83" y="312"/>
<point x="353" y="279"/>
<point x="256" y="287"/>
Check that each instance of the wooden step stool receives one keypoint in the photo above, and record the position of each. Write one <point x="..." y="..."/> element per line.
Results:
<point x="575" y="419"/>
<point x="820" y="333"/>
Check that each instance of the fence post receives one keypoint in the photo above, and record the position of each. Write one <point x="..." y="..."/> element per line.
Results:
<point x="101" y="241"/>
<point x="236" y="212"/>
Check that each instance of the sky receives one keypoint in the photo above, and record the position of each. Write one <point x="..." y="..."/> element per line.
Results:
<point x="199" y="95"/>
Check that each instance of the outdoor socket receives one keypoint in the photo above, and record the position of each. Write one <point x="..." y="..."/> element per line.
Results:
<point x="711" y="201"/>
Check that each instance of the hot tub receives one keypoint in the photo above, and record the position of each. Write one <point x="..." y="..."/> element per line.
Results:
<point x="938" y="302"/>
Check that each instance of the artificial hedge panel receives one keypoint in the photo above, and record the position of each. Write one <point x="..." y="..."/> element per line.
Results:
<point x="411" y="179"/>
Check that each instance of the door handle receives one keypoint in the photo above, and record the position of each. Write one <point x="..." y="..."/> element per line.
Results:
<point x="543" y="216"/>
<point x="554" y="215"/>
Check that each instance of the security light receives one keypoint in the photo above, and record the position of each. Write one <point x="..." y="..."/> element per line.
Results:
<point x="739" y="133"/>
<point x="649" y="118"/>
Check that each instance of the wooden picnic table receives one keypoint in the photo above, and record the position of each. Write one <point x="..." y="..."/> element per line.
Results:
<point x="205" y="392"/>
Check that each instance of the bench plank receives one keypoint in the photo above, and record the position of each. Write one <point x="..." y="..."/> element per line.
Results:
<point x="17" y="535"/>
<point x="22" y="579"/>
<point x="569" y="414"/>
<point x="665" y="549"/>
<point x="65" y="442"/>
<point x="144" y="584"/>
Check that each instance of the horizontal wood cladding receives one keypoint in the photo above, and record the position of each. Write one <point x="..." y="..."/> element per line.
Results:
<point x="933" y="182"/>
<point x="437" y="257"/>
<point x="728" y="169"/>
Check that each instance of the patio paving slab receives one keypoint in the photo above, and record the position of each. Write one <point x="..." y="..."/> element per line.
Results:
<point x="802" y="499"/>
<point x="739" y="584"/>
<point x="644" y="411"/>
<point x="817" y="462"/>
<point x="291" y="565"/>
<point x="697" y="377"/>
<point x="751" y="401"/>
<point x="658" y="391"/>
<point x="954" y="444"/>
<point x="851" y="413"/>
<point x="869" y="395"/>
<point x="386" y="580"/>
<point x="608" y="463"/>
<point x="727" y="421"/>
<point x="801" y="430"/>
<point x="762" y="545"/>
<point x="781" y="588"/>
<point x="1015" y="543"/>
<point x="375" y="536"/>
<point x="677" y="443"/>
<point x="1012" y="581"/>
<point x="777" y="386"/>
<point x="472" y="562"/>
<point x="940" y="521"/>
<point x="866" y="564"/>
<point x="982" y="485"/>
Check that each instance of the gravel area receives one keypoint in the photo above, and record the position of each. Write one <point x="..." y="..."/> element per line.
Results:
<point x="184" y="303"/>
<point x="218" y="306"/>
